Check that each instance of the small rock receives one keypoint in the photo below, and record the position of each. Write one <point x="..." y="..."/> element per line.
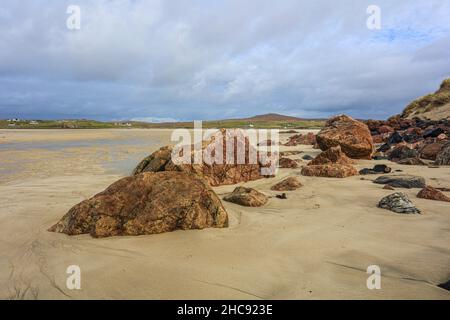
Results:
<point x="377" y="169"/>
<point x="247" y="197"/>
<point x="287" y="163"/>
<point x="288" y="184"/>
<point x="431" y="193"/>
<point x="307" y="157"/>
<point x="398" y="202"/>
<point x="388" y="187"/>
<point x="281" y="196"/>
<point x="402" y="181"/>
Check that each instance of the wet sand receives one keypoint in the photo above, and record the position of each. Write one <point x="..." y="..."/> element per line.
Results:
<point x="315" y="245"/>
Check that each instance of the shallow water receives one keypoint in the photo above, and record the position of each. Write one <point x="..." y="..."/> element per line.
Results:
<point x="118" y="154"/>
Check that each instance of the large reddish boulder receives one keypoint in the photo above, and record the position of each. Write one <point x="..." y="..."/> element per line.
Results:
<point x="146" y="203"/>
<point x="216" y="174"/>
<point x="432" y="194"/>
<point x="351" y="135"/>
<point x="331" y="163"/>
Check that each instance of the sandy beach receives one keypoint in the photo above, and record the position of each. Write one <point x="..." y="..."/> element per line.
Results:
<point x="315" y="245"/>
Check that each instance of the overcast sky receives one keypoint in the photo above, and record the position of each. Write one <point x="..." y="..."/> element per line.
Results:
<point x="187" y="60"/>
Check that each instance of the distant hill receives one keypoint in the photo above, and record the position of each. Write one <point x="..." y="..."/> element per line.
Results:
<point x="272" y="117"/>
<point x="433" y="106"/>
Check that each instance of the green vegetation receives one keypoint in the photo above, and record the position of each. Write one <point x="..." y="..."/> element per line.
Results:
<point x="261" y="122"/>
<point x="430" y="101"/>
<point x="55" y="124"/>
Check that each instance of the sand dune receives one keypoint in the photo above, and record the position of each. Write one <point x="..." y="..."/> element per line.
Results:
<point x="315" y="245"/>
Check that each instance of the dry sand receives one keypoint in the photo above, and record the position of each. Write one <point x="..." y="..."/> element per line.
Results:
<point x="315" y="245"/>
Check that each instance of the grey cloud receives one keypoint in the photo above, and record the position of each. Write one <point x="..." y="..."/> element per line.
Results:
<point x="213" y="59"/>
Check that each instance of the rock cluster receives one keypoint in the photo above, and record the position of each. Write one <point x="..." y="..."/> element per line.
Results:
<point x="330" y="163"/>
<point x="216" y="174"/>
<point x="406" y="141"/>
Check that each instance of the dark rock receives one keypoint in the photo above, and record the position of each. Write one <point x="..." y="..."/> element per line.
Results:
<point x="384" y="147"/>
<point x="395" y="138"/>
<point x="445" y="285"/>
<point x="433" y="133"/>
<point x="402" y="181"/>
<point x="398" y="202"/>
<point x="402" y="152"/>
<point x="281" y="196"/>
<point x="377" y="169"/>
<point x="307" y="157"/>
<point x="443" y="157"/>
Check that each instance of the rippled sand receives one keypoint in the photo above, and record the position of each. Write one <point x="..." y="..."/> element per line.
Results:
<point x="317" y="244"/>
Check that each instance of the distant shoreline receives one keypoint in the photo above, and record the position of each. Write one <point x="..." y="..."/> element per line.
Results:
<point x="270" y="121"/>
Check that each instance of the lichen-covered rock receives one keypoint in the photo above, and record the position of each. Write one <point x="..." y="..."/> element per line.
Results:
<point x="398" y="202"/>
<point x="147" y="203"/>
<point x="353" y="136"/>
<point x="247" y="197"/>
<point x="432" y="194"/>
<point x="402" y="181"/>
<point x="288" y="184"/>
